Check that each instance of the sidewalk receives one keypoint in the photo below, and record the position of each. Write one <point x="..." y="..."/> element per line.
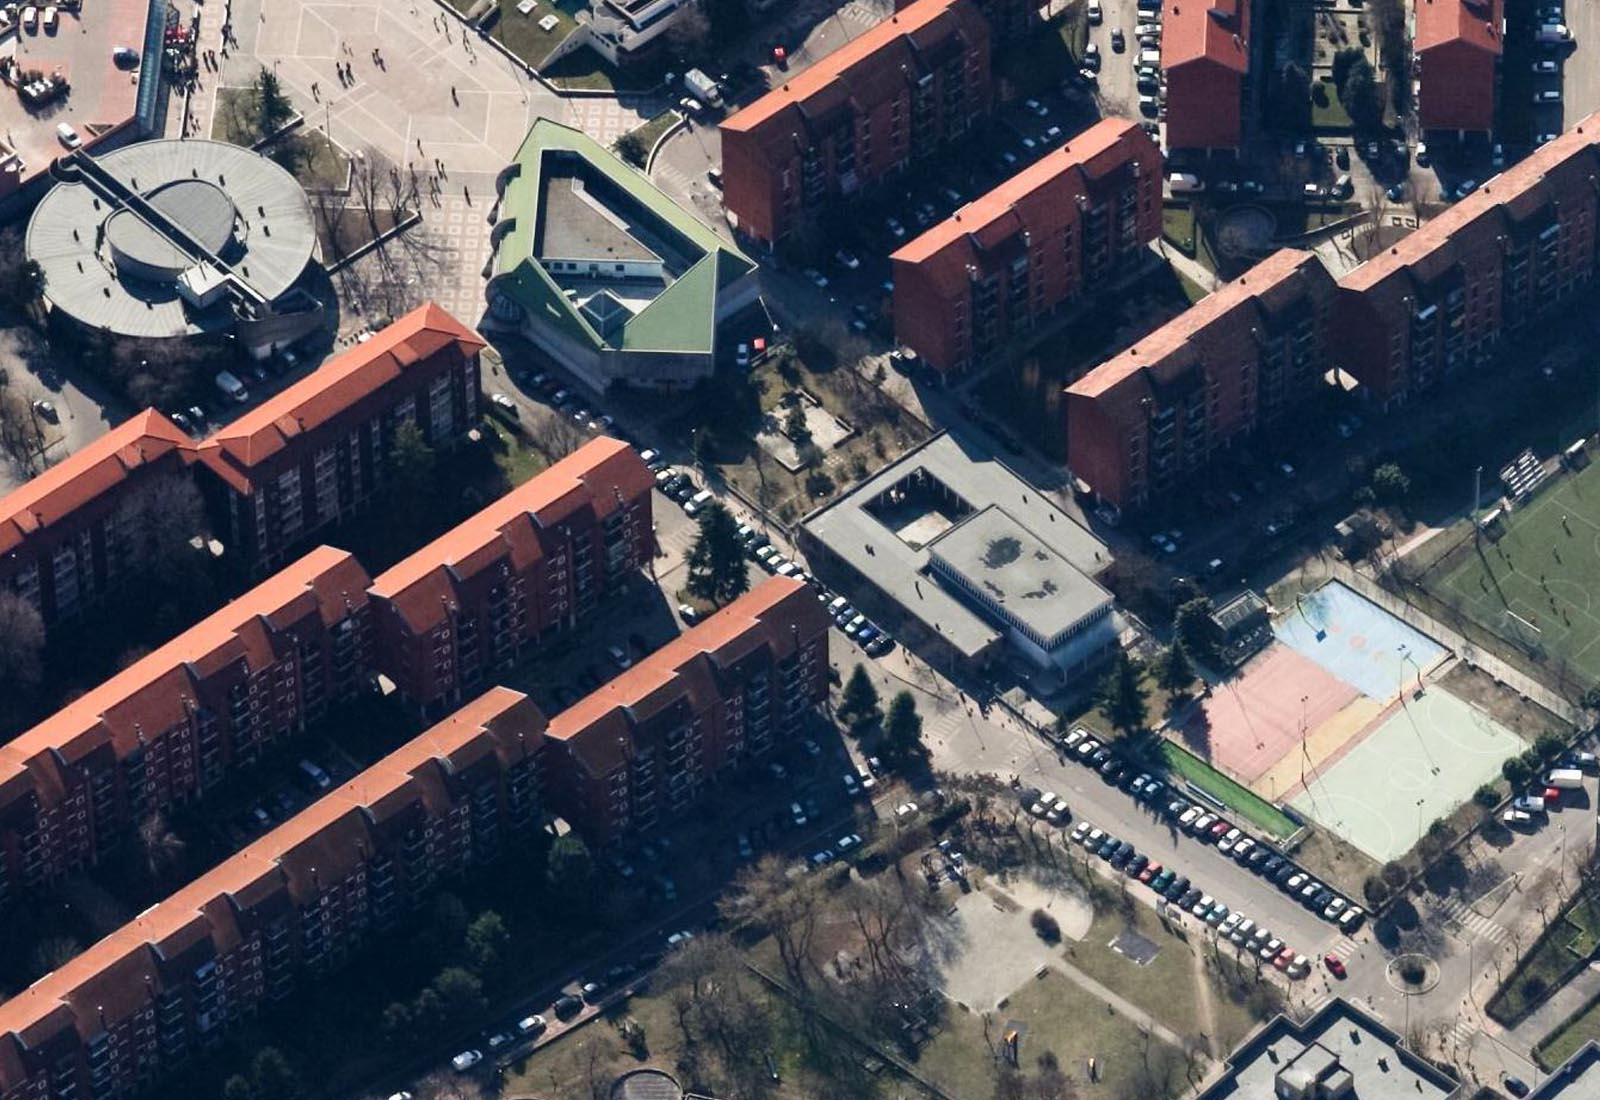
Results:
<point x="1584" y="986"/>
<point x="1126" y="1009"/>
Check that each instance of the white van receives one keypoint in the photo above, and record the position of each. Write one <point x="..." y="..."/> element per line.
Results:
<point x="232" y="387"/>
<point x="1184" y="182"/>
<point x="697" y="502"/>
<point x="1549" y="33"/>
<point x="1566" y="779"/>
<point x="67" y="136"/>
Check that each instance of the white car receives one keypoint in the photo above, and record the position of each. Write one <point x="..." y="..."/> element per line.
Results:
<point x="905" y="810"/>
<point x="846" y="259"/>
<point x="818" y="279"/>
<point x="67" y="136"/>
<point x="1228" y="840"/>
<point x="1546" y="67"/>
<point x="1096" y="13"/>
<point x="30" y="18"/>
<point x="466" y="1060"/>
<point x="530" y="1025"/>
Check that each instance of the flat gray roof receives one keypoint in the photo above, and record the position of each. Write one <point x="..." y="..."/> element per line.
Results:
<point x="573" y="225"/>
<point x="1342" y="1031"/>
<point x="1010" y="564"/>
<point x="980" y="479"/>
<point x="226" y="197"/>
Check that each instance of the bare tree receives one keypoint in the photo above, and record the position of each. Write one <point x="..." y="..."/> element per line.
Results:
<point x="156" y="523"/>
<point x="21" y="435"/>
<point x="162" y="848"/>
<point x="789" y="910"/>
<point x="21" y="644"/>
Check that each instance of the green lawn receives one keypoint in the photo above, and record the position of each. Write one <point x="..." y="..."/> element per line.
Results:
<point x="1532" y="585"/>
<point x="522" y="35"/>
<point x="1580" y="1028"/>
<point x="650" y="132"/>
<point x="586" y="70"/>
<point x="1177" y="226"/>
<point x="1241" y="800"/>
<point x="1570" y="941"/>
<point x="1054" y="1015"/>
<point x="1329" y="113"/>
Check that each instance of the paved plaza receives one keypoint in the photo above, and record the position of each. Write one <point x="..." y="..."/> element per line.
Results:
<point x="433" y="96"/>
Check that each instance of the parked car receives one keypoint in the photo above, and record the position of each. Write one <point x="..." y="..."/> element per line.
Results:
<point x="466" y="1060"/>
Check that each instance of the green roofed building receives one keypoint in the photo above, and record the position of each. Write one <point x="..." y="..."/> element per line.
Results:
<point x="603" y="272"/>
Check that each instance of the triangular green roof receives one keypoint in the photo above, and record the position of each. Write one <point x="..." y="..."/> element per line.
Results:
<point x="681" y="318"/>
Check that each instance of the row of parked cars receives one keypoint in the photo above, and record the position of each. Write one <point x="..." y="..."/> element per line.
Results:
<point x="1208" y="826"/>
<point x="1245" y="934"/>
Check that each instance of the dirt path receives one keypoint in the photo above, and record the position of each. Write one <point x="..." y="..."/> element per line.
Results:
<point x="1207" y="1007"/>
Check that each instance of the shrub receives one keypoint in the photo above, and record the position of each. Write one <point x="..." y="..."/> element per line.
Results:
<point x="1375" y="890"/>
<point x="1413" y="972"/>
<point x="1046" y="927"/>
<point x="1487" y="796"/>
<point x="1394" y="875"/>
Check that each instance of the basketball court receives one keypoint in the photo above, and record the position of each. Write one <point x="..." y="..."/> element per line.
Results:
<point x="1357" y="641"/>
<point x="1427" y="756"/>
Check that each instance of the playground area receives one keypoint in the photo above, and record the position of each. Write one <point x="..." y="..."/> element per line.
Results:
<point x="1427" y="755"/>
<point x="1533" y="578"/>
<point x="1357" y="641"/>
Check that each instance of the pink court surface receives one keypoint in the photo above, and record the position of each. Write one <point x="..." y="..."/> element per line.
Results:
<point x="1252" y="725"/>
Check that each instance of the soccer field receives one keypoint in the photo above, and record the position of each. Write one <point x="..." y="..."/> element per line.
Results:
<point x="1537" y="585"/>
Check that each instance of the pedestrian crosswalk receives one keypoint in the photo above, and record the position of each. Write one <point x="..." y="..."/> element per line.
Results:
<point x="1318" y="1001"/>
<point x="1462" y="1031"/>
<point x="1344" y="947"/>
<point x="1460" y="917"/>
<point x="945" y="725"/>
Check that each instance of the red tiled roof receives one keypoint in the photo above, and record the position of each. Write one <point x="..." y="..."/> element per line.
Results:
<point x="839" y="66"/>
<point x="1174" y="336"/>
<point x="593" y="476"/>
<point x="1217" y="31"/>
<point x="332" y="388"/>
<point x="1042" y="190"/>
<point x="1506" y="189"/>
<point x="98" y="468"/>
<point x="597" y="725"/>
<point x="1474" y="22"/>
<point x="149" y="697"/>
<point x="323" y="842"/>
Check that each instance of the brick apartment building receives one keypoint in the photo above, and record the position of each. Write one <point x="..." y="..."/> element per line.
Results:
<point x="895" y="94"/>
<point x="650" y="743"/>
<point x="1205" y="56"/>
<point x="1073" y="220"/>
<point x="531" y="564"/>
<point x="64" y="536"/>
<point x="1458" y="45"/>
<point x="290" y="907"/>
<point x="172" y="725"/>
<point x="318" y="451"/>
<point x="1008" y="20"/>
<point x="1439" y="302"/>
<point x="1238" y="360"/>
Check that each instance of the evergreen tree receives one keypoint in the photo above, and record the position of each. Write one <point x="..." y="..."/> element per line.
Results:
<point x="858" y="705"/>
<point x="1175" y="673"/>
<point x="1122" y="695"/>
<point x="717" y="568"/>
<point x="273" y="106"/>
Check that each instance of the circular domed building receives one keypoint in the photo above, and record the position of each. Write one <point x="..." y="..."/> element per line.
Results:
<point x="174" y="239"/>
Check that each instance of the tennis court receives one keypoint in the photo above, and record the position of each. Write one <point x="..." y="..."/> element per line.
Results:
<point x="1258" y="716"/>
<point x="1536" y="584"/>
<point x="1426" y="758"/>
<point x="1357" y="641"/>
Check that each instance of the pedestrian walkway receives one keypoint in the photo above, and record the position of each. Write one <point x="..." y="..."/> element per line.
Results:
<point x="1583" y="988"/>
<point x="1460" y="918"/>
<point x="1345" y="947"/>
<point x="1124" y="1008"/>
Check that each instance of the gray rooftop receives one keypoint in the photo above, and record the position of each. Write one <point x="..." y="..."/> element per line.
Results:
<point x="574" y="226"/>
<point x="1031" y="582"/>
<point x="109" y="267"/>
<point x="1578" y="1078"/>
<point x="896" y="566"/>
<point x="1339" y="1039"/>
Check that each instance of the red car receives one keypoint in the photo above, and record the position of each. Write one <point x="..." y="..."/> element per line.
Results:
<point x="1552" y="796"/>
<point x="1334" y="964"/>
<point x="1150" y="872"/>
<point x="1285" y="957"/>
<point x="1220" y="829"/>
